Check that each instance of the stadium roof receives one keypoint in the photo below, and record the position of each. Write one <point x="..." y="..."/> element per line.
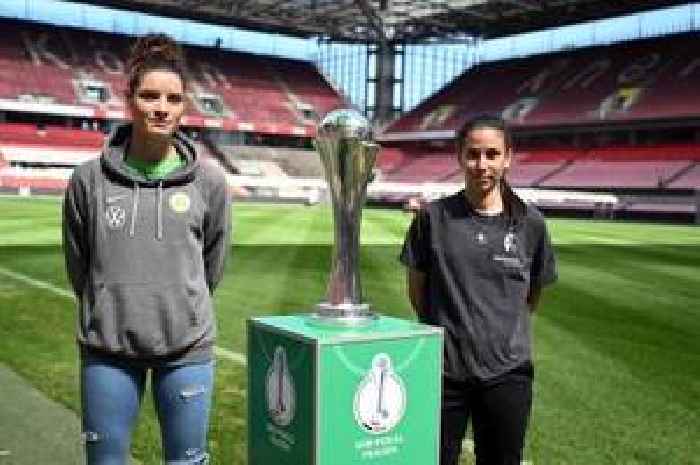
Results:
<point x="391" y="20"/>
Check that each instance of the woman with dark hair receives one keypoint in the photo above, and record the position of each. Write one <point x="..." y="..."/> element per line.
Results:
<point x="146" y="231"/>
<point x="477" y="261"/>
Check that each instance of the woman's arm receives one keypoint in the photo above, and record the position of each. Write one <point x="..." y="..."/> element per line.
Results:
<point x="75" y="236"/>
<point x="416" y="282"/>
<point x="217" y="232"/>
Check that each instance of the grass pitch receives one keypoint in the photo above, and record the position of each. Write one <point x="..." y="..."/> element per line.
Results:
<point x="617" y="339"/>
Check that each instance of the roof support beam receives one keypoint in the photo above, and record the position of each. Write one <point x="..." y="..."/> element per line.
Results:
<point x="478" y="14"/>
<point x="374" y="21"/>
<point x="389" y="21"/>
<point x="532" y="5"/>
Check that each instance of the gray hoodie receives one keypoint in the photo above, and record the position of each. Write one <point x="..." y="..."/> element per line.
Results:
<point x="144" y="256"/>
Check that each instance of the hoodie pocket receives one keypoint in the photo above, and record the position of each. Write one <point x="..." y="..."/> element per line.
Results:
<point x="150" y="319"/>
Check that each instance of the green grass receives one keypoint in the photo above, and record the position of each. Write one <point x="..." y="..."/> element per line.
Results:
<point x="617" y="340"/>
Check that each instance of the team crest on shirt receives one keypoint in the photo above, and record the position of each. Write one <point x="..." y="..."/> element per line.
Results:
<point x="509" y="258"/>
<point x="180" y="202"/>
<point x="115" y="216"/>
<point x="509" y="244"/>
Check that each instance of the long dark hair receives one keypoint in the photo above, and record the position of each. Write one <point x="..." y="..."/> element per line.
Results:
<point x="155" y="52"/>
<point x="483" y="121"/>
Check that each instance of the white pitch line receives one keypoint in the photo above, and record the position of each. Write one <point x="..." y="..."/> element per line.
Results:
<point x="230" y="355"/>
<point x="36" y="283"/>
<point x="218" y="351"/>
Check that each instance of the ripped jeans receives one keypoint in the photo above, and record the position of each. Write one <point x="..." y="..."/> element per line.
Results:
<point x="111" y="392"/>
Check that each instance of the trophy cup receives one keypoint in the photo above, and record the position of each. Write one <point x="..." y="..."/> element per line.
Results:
<point x="347" y="154"/>
<point x="343" y="386"/>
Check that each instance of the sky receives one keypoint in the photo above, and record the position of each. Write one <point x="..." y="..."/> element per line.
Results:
<point x="428" y="67"/>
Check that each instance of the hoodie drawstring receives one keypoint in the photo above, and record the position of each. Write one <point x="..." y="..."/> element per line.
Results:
<point x="159" y="212"/>
<point x="134" y="210"/>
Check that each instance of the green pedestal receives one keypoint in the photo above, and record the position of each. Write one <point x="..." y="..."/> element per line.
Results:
<point x="320" y="395"/>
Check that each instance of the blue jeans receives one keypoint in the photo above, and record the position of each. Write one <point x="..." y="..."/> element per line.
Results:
<point x="111" y="392"/>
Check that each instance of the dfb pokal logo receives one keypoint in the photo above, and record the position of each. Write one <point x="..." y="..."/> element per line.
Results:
<point x="279" y="386"/>
<point x="116" y="216"/>
<point x="380" y="400"/>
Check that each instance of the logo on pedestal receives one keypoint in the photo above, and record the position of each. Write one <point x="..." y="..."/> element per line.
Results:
<point x="279" y="386"/>
<point x="380" y="400"/>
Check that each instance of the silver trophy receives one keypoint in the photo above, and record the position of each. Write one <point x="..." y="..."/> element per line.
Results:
<point x="344" y="144"/>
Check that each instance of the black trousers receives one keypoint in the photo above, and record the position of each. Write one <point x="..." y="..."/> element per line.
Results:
<point x="499" y="411"/>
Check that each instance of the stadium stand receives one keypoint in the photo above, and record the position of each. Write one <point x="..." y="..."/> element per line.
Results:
<point x="646" y="79"/>
<point x="611" y="167"/>
<point x="243" y="106"/>
<point x="390" y="158"/>
<point x="33" y="135"/>
<point x="77" y="77"/>
<point x="688" y="179"/>
<point x="646" y="85"/>
<point x="432" y="167"/>
<point x="300" y="163"/>
<point x="309" y="91"/>
<point x="523" y="174"/>
<point x="43" y="157"/>
<point x="588" y="173"/>
<point x="46" y="65"/>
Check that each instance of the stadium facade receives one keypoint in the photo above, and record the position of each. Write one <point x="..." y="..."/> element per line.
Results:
<point x="606" y="130"/>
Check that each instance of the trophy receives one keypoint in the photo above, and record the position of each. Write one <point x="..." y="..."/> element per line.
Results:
<point x="343" y="386"/>
<point x="344" y="144"/>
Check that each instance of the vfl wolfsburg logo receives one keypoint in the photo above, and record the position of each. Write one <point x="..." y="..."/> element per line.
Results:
<point x="115" y="216"/>
<point x="180" y="202"/>
<point x="380" y="400"/>
<point x="279" y="386"/>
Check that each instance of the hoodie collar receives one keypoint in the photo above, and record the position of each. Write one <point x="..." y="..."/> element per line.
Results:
<point x="114" y="151"/>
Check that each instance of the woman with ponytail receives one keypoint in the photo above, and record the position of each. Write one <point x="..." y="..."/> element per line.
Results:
<point x="477" y="262"/>
<point x="146" y="231"/>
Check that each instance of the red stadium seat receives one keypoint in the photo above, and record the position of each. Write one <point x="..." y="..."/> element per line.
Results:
<point x="12" y="134"/>
<point x="636" y="167"/>
<point x="47" y="64"/>
<point x="648" y="79"/>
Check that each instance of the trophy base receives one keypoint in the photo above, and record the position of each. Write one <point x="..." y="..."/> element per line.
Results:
<point x="343" y="315"/>
<point x="308" y="402"/>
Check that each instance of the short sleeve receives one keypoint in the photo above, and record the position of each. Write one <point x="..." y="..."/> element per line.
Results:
<point x="416" y="246"/>
<point x="543" y="271"/>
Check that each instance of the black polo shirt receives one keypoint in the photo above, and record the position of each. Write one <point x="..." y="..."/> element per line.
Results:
<point x="479" y="272"/>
